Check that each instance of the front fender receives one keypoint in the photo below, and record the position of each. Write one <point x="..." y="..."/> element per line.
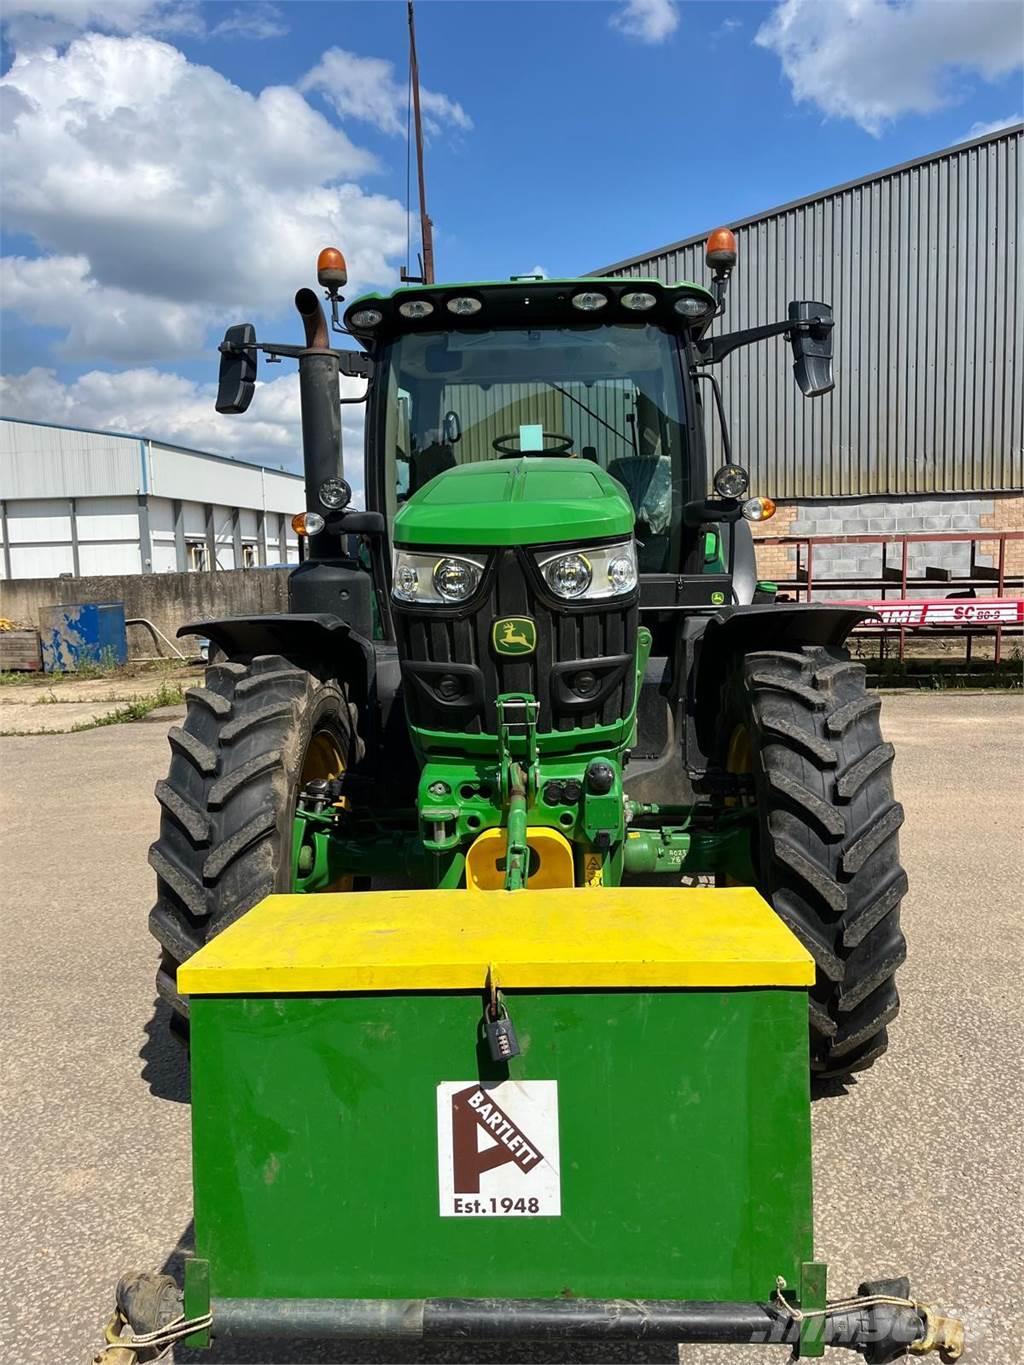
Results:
<point x="322" y="643"/>
<point x="734" y="631"/>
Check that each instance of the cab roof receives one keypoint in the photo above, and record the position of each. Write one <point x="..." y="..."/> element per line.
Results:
<point x="526" y="300"/>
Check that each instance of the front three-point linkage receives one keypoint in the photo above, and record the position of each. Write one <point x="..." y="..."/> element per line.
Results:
<point x="517" y="720"/>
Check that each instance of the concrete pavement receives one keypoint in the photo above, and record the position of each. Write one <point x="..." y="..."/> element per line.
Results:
<point x="917" y="1164"/>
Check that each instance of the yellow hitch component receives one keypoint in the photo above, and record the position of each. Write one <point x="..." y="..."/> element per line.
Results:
<point x="564" y="937"/>
<point x="552" y="850"/>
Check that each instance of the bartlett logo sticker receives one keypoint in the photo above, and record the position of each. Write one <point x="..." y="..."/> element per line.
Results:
<point x="514" y="635"/>
<point x="497" y="1149"/>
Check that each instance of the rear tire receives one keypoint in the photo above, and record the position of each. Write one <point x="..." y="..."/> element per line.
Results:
<point x="827" y="846"/>
<point x="252" y="734"/>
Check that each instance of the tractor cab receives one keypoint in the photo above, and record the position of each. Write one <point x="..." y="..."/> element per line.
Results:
<point x="540" y="369"/>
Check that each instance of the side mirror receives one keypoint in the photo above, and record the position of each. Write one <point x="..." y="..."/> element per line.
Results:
<point x="811" y="340"/>
<point x="236" y="383"/>
<point x="452" y="428"/>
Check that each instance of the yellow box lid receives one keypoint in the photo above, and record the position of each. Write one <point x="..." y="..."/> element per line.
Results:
<point x="447" y="940"/>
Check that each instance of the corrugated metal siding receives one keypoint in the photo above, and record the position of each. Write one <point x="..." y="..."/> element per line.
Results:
<point x="585" y="412"/>
<point x="44" y="461"/>
<point x="922" y="265"/>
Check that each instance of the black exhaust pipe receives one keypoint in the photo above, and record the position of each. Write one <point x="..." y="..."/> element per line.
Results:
<point x="320" y="397"/>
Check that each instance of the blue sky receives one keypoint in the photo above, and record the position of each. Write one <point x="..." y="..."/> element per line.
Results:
<point x="171" y="167"/>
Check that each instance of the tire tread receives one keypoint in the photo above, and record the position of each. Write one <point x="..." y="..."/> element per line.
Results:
<point x="225" y="806"/>
<point x="829" y="851"/>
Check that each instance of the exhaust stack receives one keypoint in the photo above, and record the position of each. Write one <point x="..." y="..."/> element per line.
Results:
<point x="320" y="398"/>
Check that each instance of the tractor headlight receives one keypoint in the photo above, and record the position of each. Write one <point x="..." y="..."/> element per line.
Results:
<point x="569" y="575"/>
<point x="427" y="580"/>
<point x="589" y="301"/>
<point x="455" y="579"/>
<point x="334" y="493"/>
<point x="691" y="308"/>
<point x="416" y="308"/>
<point x="590" y="574"/>
<point x="638" y="300"/>
<point x="731" y="481"/>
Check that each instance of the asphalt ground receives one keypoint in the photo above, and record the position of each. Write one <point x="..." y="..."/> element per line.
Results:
<point x="918" y="1164"/>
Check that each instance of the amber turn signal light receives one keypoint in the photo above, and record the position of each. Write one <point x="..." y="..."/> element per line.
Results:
<point x="307" y="523"/>
<point x="758" y="509"/>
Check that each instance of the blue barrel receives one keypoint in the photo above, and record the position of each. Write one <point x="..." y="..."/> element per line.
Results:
<point x="82" y="633"/>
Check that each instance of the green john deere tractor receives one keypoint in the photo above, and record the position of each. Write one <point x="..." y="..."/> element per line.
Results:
<point x="542" y="656"/>
<point x="496" y="877"/>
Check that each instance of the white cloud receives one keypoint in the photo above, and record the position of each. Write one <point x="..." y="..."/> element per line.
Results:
<point x="649" y="21"/>
<point x="98" y="320"/>
<point x="255" y="21"/>
<point x="983" y="129"/>
<point x="177" y="192"/>
<point x="32" y="24"/>
<point x="538" y="270"/>
<point x="872" y="61"/>
<point x="725" y="30"/>
<point x="366" y="88"/>
<point x="169" y="407"/>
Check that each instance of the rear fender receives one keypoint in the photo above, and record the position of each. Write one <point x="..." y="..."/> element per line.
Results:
<point x="734" y="631"/>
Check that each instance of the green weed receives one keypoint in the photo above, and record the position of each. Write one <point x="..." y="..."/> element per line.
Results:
<point x="138" y="708"/>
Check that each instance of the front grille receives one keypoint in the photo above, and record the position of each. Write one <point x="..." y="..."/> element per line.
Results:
<point x="438" y="646"/>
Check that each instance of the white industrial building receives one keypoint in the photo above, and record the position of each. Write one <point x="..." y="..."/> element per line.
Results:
<point x="81" y="502"/>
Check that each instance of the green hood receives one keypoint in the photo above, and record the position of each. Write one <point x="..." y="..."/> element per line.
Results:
<point x="527" y="501"/>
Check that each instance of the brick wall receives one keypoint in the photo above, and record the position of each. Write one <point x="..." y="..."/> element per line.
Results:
<point x="1006" y="515"/>
<point x="942" y="512"/>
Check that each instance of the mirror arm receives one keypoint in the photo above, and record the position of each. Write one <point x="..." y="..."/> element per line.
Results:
<point x="703" y="510"/>
<point x="712" y="350"/>
<point x="352" y="364"/>
<point x="719" y="286"/>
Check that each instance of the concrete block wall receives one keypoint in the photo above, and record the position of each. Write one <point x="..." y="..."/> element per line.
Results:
<point x="169" y="600"/>
<point x="898" y="516"/>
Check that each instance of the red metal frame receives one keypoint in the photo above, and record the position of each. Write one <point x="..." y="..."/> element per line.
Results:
<point x="803" y="581"/>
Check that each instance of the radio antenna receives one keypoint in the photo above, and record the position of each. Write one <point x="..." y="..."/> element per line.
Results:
<point x="426" y="275"/>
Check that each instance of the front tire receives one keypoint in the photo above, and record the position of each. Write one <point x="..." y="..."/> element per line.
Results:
<point x="826" y="848"/>
<point x="253" y="734"/>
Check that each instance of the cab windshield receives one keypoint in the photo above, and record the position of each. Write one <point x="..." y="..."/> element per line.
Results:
<point x="611" y="394"/>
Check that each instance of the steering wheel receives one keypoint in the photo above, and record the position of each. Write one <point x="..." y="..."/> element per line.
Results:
<point x="563" y="446"/>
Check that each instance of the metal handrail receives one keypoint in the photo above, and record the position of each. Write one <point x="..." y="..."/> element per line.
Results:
<point x="899" y="578"/>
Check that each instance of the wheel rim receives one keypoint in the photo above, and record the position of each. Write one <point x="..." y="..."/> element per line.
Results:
<point x="739" y="760"/>
<point x="739" y="756"/>
<point x="324" y="761"/>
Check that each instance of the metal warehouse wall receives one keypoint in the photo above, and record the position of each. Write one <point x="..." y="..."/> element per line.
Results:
<point x="90" y="502"/>
<point x="922" y="266"/>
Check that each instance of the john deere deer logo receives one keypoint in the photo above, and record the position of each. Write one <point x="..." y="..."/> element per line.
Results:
<point x="514" y="635"/>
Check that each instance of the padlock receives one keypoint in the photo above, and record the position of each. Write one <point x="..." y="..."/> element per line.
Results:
<point x="501" y="1035"/>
